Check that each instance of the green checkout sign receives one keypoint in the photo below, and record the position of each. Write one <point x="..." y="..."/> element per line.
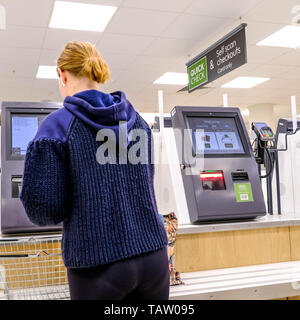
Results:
<point x="243" y="192"/>
<point x="198" y="73"/>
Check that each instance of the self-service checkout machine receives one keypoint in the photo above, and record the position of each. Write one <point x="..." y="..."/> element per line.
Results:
<point x="205" y="167"/>
<point x="20" y="122"/>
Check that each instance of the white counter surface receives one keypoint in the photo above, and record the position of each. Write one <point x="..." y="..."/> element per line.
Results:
<point x="268" y="221"/>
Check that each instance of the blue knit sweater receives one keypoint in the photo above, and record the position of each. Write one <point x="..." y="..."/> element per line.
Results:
<point x="108" y="211"/>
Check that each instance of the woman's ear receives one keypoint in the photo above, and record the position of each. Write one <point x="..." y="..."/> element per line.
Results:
<point x="62" y="75"/>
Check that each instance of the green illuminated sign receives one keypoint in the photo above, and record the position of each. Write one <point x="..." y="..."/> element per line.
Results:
<point x="198" y="74"/>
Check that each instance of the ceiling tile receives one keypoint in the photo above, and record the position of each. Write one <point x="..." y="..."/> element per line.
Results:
<point x="127" y="82"/>
<point x="216" y="8"/>
<point x="58" y="38"/>
<point x="18" y="69"/>
<point x="165" y="5"/>
<point x="15" y="87"/>
<point x="257" y="54"/>
<point x="10" y="55"/>
<point x="13" y="95"/>
<point x="166" y="47"/>
<point x="293" y="74"/>
<point x="34" y="13"/>
<point x="45" y="89"/>
<point x="49" y="84"/>
<point x="140" y="22"/>
<point x="280" y="84"/>
<point x="127" y="44"/>
<point x="22" y="37"/>
<point x="146" y="69"/>
<point x="290" y="58"/>
<point x="117" y="61"/>
<point x="143" y="76"/>
<point x="193" y="27"/>
<point x="48" y="57"/>
<point x="270" y="11"/>
<point x="148" y="63"/>
<point x="16" y="82"/>
<point x="270" y="71"/>
<point x="15" y="10"/>
<point x="257" y="31"/>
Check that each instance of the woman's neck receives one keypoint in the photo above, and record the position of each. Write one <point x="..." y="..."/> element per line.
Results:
<point x="82" y="84"/>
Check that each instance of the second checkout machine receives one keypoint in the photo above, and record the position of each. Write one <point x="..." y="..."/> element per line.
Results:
<point x="220" y="181"/>
<point x="20" y="122"/>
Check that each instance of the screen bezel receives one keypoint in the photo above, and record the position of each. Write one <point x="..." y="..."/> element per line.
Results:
<point x="25" y="113"/>
<point x="232" y="115"/>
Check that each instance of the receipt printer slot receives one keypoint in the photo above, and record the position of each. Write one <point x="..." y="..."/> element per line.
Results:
<point x="240" y="176"/>
<point x="16" y="185"/>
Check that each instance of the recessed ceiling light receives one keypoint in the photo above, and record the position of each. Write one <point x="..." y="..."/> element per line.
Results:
<point x="81" y="16"/>
<point x="47" y="72"/>
<point x="244" y="82"/>
<point x="173" y="78"/>
<point x="287" y="37"/>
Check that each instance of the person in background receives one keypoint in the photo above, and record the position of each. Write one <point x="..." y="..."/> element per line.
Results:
<point x="113" y="240"/>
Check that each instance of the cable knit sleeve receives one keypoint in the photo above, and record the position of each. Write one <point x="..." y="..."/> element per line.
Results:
<point x="44" y="191"/>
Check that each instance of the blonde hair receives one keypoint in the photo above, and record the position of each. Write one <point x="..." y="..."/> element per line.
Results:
<point x="83" y="59"/>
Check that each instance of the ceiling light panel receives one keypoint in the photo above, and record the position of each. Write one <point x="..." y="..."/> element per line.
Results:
<point x="81" y="16"/>
<point x="173" y="78"/>
<point x="287" y="37"/>
<point x="47" y="72"/>
<point x="245" y="82"/>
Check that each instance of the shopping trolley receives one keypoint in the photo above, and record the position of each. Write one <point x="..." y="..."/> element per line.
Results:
<point x="32" y="269"/>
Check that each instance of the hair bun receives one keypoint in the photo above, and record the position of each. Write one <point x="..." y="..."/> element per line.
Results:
<point x="96" y="69"/>
<point x="83" y="59"/>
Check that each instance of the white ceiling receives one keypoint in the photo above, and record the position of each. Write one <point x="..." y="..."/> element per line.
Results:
<point x="147" y="38"/>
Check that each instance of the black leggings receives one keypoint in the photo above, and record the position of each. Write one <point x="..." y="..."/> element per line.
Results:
<point x="143" y="277"/>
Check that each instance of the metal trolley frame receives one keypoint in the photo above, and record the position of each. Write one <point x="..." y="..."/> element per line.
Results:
<point x="32" y="269"/>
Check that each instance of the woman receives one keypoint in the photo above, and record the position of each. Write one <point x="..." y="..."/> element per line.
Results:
<point x="114" y="243"/>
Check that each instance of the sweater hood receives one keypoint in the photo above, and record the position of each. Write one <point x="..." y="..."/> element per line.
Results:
<point x="100" y="110"/>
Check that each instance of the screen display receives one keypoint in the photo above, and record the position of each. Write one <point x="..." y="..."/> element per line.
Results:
<point x="261" y="125"/>
<point x="215" y="135"/>
<point x="23" y="130"/>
